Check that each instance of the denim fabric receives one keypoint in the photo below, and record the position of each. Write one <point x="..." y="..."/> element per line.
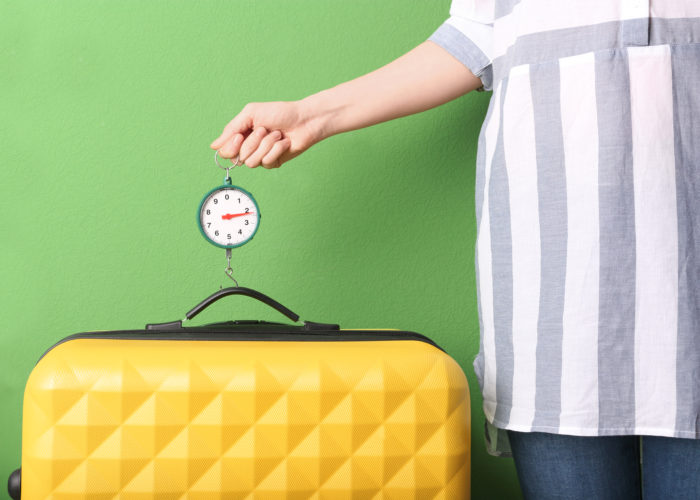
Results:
<point x="557" y="466"/>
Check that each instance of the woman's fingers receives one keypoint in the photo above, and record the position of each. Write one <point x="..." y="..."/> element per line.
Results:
<point x="232" y="146"/>
<point x="251" y="143"/>
<point x="256" y="136"/>
<point x="219" y="141"/>
<point x="241" y="123"/>
<point x="264" y="147"/>
<point x="272" y="159"/>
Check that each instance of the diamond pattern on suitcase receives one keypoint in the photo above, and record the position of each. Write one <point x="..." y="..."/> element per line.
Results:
<point x="211" y="419"/>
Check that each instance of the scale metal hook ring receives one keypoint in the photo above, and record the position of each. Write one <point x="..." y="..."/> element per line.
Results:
<point x="233" y="163"/>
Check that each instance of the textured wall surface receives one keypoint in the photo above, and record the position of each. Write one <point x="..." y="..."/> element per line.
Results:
<point x="107" y="112"/>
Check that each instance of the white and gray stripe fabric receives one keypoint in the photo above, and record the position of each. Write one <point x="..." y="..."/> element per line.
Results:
<point x="588" y="217"/>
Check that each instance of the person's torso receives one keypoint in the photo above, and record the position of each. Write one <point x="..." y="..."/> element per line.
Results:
<point x="538" y="31"/>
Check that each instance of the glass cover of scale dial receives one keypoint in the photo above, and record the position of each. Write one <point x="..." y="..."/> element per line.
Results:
<point x="229" y="217"/>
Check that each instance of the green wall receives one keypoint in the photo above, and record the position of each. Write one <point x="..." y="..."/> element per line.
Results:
<point x="107" y="110"/>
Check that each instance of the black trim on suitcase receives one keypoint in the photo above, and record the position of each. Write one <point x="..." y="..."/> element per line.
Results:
<point x="14" y="484"/>
<point x="283" y="334"/>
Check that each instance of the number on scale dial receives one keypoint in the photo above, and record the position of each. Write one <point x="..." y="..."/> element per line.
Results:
<point x="228" y="216"/>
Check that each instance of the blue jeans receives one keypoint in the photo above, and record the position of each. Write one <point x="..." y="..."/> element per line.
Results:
<point x="553" y="466"/>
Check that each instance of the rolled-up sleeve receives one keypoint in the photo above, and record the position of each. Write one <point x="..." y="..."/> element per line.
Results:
<point x="468" y="36"/>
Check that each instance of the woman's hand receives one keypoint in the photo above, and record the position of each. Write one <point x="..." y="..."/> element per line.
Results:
<point x="268" y="134"/>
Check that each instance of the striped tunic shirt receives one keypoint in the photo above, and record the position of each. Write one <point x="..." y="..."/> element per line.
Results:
<point x="588" y="219"/>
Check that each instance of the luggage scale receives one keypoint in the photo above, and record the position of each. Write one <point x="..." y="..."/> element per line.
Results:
<point x="228" y="216"/>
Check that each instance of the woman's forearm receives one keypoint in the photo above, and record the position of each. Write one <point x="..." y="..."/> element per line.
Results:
<point x="271" y="133"/>
<point x="421" y="79"/>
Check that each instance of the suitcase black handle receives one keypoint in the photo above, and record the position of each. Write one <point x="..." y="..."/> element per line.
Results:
<point x="249" y="292"/>
<point x="238" y="290"/>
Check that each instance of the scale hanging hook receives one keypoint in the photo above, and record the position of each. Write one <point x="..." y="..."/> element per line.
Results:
<point x="229" y="270"/>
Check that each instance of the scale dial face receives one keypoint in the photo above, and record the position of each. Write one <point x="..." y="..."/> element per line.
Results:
<point x="228" y="216"/>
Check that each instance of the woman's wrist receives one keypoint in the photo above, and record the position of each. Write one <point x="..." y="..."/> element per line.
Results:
<point x="322" y="113"/>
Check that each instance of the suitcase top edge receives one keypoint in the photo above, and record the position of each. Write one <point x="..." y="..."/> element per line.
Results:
<point x="207" y="334"/>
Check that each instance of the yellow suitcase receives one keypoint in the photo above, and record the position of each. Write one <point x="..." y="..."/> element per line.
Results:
<point x="245" y="410"/>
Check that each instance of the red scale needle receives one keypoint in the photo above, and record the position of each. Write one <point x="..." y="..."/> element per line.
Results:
<point x="231" y="216"/>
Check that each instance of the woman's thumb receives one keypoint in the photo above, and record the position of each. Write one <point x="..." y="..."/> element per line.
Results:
<point x="241" y="123"/>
